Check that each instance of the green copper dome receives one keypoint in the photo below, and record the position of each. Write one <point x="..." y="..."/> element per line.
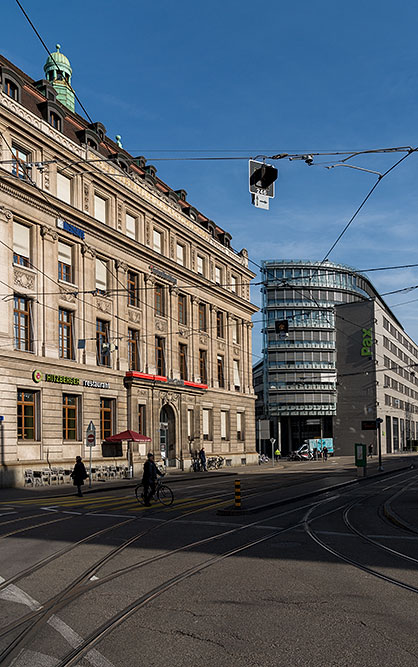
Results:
<point x="58" y="71"/>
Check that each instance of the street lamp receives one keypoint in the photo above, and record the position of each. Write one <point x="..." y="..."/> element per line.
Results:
<point x="378" y="422"/>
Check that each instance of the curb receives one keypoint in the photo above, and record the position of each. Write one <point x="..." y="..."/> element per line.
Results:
<point x="231" y="511"/>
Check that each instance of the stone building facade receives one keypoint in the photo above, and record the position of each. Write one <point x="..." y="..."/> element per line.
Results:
<point x="121" y="303"/>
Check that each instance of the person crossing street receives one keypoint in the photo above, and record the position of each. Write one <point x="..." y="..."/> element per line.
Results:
<point x="149" y="478"/>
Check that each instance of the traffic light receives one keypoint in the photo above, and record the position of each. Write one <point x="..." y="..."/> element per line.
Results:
<point x="281" y="327"/>
<point x="262" y="178"/>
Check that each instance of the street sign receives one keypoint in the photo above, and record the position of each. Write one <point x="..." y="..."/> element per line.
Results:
<point x="370" y="425"/>
<point x="360" y="455"/>
<point x="272" y="440"/>
<point x="261" y="201"/>
<point x="91" y="439"/>
<point x="91" y="435"/>
<point x="261" y="178"/>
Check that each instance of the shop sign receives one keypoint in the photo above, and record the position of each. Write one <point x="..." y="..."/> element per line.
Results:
<point x="71" y="229"/>
<point x="37" y="376"/>
<point x="367" y="341"/>
<point x="163" y="275"/>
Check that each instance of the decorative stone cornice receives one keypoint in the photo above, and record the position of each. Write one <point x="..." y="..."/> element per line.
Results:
<point x="121" y="266"/>
<point x="5" y="214"/>
<point x="49" y="233"/>
<point x="161" y="325"/>
<point x="87" y="250"/>
<point x="104" y="305"/>
<point x="24" y="279"/>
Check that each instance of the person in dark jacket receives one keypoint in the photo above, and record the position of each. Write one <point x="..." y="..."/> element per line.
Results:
<point x="202" y="457"/>
<point x="149" y="478"/>
<point x="79" y="474"/>
<point x="324" y="452"/>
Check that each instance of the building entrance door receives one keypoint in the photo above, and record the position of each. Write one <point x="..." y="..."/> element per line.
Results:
<point x="168" y="435"/>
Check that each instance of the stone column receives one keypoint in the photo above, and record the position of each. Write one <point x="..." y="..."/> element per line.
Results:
<point x="89" y="308"/>
<point x="149" y="332"/>
<point x="121" y="311"/>
<point x="6" y="276"/>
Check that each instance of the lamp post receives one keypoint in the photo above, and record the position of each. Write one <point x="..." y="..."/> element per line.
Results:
<point x="379" y="434"/>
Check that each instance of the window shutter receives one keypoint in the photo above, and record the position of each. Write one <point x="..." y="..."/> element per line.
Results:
<point x="223" y="425"/>
<point x="130" y="226"/>
<point x="64" y="253"/>
<point x="99" y="208"/>
<point x="64" y="188"/>
<point x="237" y="382"/>
<point x="205" y="422"/>
<point x="101" y="282"/>
<point x="21" y="235"/>
<point x="239" y="422"/>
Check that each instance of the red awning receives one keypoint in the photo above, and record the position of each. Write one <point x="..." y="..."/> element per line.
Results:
<point x="131" y="436"/>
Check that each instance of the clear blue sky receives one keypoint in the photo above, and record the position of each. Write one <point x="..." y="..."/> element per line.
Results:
<point x="239" y="78"/>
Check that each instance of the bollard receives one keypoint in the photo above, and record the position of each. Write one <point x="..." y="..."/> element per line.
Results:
<point x="237" y="494"/>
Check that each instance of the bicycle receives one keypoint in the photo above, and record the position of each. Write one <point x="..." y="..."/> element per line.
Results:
<point x="162" y="493"/>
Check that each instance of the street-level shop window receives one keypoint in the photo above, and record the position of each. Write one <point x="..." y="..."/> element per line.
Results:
<point x="182" y="309"/>
<point x="102" y="343"/>
<point x="22" y="323"/>
<point x="27" y="410"/>
<point x="224" y="425"/>
<point x="207" y="424"/>
<point x="132" y="288"/>
<point x="220" y="324"/>
<point x="101" y="275"/>
<point x="202" y="317"/>
<point x="66" y="334"/>
<point x="159" y="299"/>
<point x="21" y="244"/>
<point x="100" y="206"/>
<point x="20" y="166"/>
<point x="183" y="361"/>
<point x="70" y="427"/>
<point x="142" y="419"/>
<point x="64" y="188"/>
<point x="159" y="355"/>
<point x="203" y="367"/>
<point x="133" y="349"/>
<point x="221" y="372"/>
<point x="130" y="226"/>
<point x="240" y="425"/>
<point x="65" y="262"/>
<point x="107" y="417"/>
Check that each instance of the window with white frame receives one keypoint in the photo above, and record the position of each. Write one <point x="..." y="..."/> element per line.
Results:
<point x="207" y="424"/>
<point x="64" y="188"/>
<point x="20" y="166"/>
<point x="101" y="275"/>
<point x="218" y="275"/>
<point x="234" y="284"/>
<point x="180" y="254"/>
<point x="237" y="382"/>
<point x="157" y="241"/>
<point x="240" y="425"/>
<point x="130" y="226"/>
<point x="100" y="208"/>
<point x="224" y="424"/>
<point x="65" y="271"/>
<point x="200" y="265"/>
<point x="21" y="244"/>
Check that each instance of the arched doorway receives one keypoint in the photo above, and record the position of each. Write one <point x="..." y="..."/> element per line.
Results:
<point x="168" y="435"/>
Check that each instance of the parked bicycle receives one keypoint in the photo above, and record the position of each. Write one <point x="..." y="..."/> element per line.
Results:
<point x="162" y="493"/>
<point x="215" y="462"/>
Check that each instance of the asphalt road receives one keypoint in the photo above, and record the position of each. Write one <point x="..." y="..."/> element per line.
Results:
<point x="325" y="580"/>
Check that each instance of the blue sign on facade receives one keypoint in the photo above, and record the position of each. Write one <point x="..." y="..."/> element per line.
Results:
<point x="71" y="229"/>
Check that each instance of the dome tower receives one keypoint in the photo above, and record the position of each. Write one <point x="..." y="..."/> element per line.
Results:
<point x="58" y="72"/>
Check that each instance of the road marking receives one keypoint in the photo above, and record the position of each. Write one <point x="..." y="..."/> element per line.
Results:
<point x="68" y="512"/>
<point x="6" y="513"/>
<point x="34" y="659"/>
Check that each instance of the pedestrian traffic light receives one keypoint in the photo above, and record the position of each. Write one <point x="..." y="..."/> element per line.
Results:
<point x="262" y="178"/>
<point x="281" y="326"/>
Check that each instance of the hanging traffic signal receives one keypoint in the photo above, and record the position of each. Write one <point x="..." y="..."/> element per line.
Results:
<point x="281" y="327"/>
<point x="262" y="178"/>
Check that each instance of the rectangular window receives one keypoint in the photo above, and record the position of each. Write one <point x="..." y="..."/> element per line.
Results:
<point x="157" y="241"/>
<point x="218" y="275"/>
<point x="102" y="343"/>
<point x="21" y="244"/>
<point x="66" y="339"/>
<point x="22" y="324"/>
<point x="64" y="188"/>
<point x="235" y="331"/>
<point x="100" y="208"/>
<point x="182" y="309"/>
<point x="26" y="415"/>
<point x="240" y="425"/>
<point x="190" y="422"/>
<point x="132" y="288"/>
<point x="183" y="361"/>
<point x="237" y="382"/>
<point x="180" y="254"/>
<point x="142" y="419"/>
<point x="101" y="275"/>
<point x="202" y="317"/>
<point x="207" y="424"/>
<point x="220" y="324"/>
<point x="224" y="425"/>
<point x="65" y="262"/>
<point x="20" y="167"/>
<point x="69" y="417"/>
<point x="159" y="356"/>
<point x="130" y="226"/>
<point x="133" y="349"/>
<point x="203" y="366"/>
<point x="200" y="265"/>
<point x="234" y="284"/>
<point x="221" y="374"/>
<point x="55" y="121"/>
<point x="159" y="300"/>
<point x="107" y="417"/>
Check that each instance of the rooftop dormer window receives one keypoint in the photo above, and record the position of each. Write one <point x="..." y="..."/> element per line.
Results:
<point x="11" y="89"/>
<point x="55" y="120"/>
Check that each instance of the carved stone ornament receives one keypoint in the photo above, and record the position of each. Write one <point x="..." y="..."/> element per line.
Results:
<point x="86" y="191"/>
<point x="203" y="338"/>
<point x="5" y="214"/>
<point x="24" y="279"/>
<point x="68" y="296"/>
<point x="49" y="232"/>
<point x="169" y="397"/>
<point x="160" y="325"/>
<point x="194" y="298"/>
<point x="134" y="316"/>
<point x="46" y="177"/>
<point x="148" y="233"/>
<point x="104" y="305"/>
<point x="193" y="256"/>
<point x="87" y="250"/>
<point x="119" y="215"/>
<point x="172" y="247"/>
<point x="174" y="291"/>
<point x="142" y="392"/>
<point x="236" y="351"/>
<point x="221" y="347"/>
<point x="121" y="266"/>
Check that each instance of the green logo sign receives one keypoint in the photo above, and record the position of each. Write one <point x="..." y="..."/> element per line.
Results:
<point x="366" y="349"/>
<point x="37" y="376"/>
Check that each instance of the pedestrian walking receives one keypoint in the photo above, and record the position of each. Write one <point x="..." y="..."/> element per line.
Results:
<point x="149" y="478"/>
<point x="325" y="452"/>
<point x="79" y="474"/>
<point x="202" y="457"/>
<point x="371" y="450"/>
<point x="315" y="453"/>
<point x="277" y="454"/>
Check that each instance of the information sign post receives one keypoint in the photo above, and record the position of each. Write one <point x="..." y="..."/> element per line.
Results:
<point x="360" y="454"/>
<point x="90" y="442"/>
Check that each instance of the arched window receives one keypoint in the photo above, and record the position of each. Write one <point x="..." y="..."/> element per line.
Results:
<point x="11" y="89"/>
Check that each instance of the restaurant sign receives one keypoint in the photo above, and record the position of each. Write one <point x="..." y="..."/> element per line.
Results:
<point x="37" y="377"/>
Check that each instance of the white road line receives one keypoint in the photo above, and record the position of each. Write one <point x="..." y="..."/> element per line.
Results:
<point x="121" y="516"/>
<point x="50" y="509"/>
<point x="68" y="512"/>
<point x="34" y="659"/>
<point x="374" y="537"/>
<point x="14" y="594"/>
<point x="6" y="513"/>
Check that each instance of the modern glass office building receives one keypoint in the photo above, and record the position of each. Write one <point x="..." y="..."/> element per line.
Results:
<point x="296" y="381"/>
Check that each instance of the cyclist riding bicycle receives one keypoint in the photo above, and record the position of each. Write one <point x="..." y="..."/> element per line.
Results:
<point x="149" y="478"/>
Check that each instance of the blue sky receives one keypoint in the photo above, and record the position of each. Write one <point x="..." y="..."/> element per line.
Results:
<point x="233" y="78"/>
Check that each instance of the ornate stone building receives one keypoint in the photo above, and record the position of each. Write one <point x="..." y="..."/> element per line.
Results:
<point x="120" y="302"/>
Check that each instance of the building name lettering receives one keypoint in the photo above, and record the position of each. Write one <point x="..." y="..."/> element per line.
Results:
<point x="163" y="275"/>
<point x="64" y="379"/>
<point x="71" y="229"/>
<point x="366" y="349"/>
